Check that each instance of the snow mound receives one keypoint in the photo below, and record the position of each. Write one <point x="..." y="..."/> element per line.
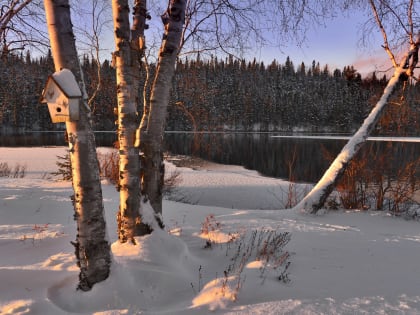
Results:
<point x="341" y="263"/>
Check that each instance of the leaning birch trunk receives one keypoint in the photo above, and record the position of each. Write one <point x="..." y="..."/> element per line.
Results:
<point x="91" y="246"/>
<point x="151" y="140"/>
<point x="318" y="195"/>
<point x="126" y="62"/>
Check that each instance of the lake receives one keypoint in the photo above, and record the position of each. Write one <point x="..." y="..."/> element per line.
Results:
<point x="303" y="158"/>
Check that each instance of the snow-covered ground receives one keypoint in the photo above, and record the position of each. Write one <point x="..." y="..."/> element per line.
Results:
<point x="340" y="262"/>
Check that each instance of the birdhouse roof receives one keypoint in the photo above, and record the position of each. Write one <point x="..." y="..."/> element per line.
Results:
<point x="66" y="82"/>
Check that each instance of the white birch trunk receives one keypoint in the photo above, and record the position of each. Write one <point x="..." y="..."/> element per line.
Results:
<point x="318" y="195"/>
<point x="126" y="64"/>
<point x="91" y="246"/>
<point x="152" y="138"/>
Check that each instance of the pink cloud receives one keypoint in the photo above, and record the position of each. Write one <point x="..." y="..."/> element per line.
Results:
<point x="366" y="65"/>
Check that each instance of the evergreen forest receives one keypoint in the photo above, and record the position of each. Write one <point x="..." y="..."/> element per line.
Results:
<point x="221" y="95"/>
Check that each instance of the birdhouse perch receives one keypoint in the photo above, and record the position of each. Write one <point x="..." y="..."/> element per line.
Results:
<point x="62" y="94"/>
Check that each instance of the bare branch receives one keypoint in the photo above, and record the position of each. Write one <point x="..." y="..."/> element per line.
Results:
<point x="20" y="25"/>
<point x="384" y="34"/>
<point x="146" y="103"/>
<point x="95" y="42"/>
<point x="10" y="11"/>
<point x="397" y="16"/>
<point x="410" y="21"/>
<point x="233" y="27"/>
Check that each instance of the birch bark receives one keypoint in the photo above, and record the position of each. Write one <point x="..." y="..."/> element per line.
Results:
<point x="316" y="198"/>
<point x="129" y="167"/>
<point x="91" y="246"/>
<point x="151" y="138"/>
<point x="402" y="72"/>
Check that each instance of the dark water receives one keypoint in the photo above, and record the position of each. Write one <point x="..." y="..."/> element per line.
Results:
<point x="296" y="158"/>
<point x="54" y="138"/>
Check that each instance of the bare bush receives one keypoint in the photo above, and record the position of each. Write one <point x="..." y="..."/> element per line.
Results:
<point x="18" y="171"/>
<point x="353" y="186"/>
<point x="265" y="246"/>
<point x="109" y="169"/>
<point x="372" y="181"/>
<point x="401" y="192"/>
<point x="4" y="169"/>
<point x="108" y="166"/>
<point x="210" y="224"/>
<point x="172" y="180"/>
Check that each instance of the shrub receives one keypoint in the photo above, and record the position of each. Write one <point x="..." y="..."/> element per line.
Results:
<point x="64" y="167"/>
<point x="265" y="246"/>
<point x="210" y="224"/>
<point x="109" y="169"/>
<point x="19" y="171"/>
<point x="172" y="180"/>
<point x="372" y="181"/>
<point x="4" y="169"/>
<point x="108" y="166"/>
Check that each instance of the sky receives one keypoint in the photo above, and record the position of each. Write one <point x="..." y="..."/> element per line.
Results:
<point x="338" y="44"/>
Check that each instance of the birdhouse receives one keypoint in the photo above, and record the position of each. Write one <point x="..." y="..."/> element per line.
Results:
<point x="62" y="94"/>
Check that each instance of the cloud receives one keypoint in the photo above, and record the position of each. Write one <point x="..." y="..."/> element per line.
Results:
<point x="365" y="65"/>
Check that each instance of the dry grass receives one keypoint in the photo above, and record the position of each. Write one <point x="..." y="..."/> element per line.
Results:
<point x="108" y="166"/>
<point x="18" y="171"/>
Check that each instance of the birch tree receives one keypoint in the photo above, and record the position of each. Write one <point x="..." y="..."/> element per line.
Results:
<point x="404" y="16"/>
<point x="91" y="245"/>
<point x="130" y="46"/>
<point x="154" y="117"/>
<point x="230" y="27"/>
<point x="209" y="26"/>
<point x="126" y="59"/>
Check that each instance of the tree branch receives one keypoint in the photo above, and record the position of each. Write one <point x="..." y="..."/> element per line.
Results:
<point x="384" y="34"/>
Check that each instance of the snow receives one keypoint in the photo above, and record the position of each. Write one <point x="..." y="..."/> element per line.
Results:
<point x="67" y="82"/>
<point x="350" y="149"/>
<point x="329" y="137"/>
<point x="340" y="263"/>
<point x="231" y="187"/>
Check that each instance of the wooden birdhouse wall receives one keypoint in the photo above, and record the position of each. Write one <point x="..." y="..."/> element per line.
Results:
<point x="62" y="95"/>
